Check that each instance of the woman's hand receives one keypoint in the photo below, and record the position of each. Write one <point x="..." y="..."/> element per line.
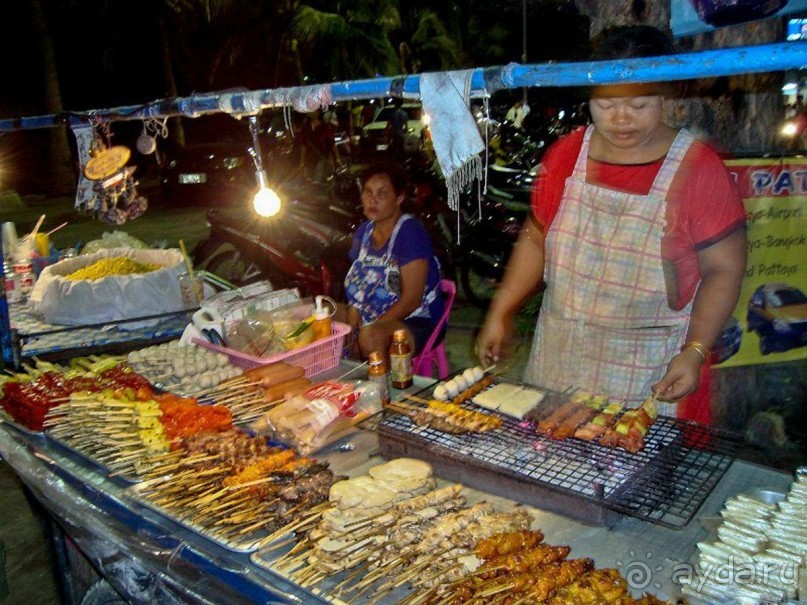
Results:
<point x="493" y="340"/>
<point x="522" y="275"/>
<point x="682" y="377"/>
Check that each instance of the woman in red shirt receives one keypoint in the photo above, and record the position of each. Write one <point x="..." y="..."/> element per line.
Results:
<point x="638" y="232"/>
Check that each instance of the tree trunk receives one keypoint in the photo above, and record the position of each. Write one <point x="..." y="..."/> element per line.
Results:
<point x="59" y="177"/>
<point x="176" y="133"/>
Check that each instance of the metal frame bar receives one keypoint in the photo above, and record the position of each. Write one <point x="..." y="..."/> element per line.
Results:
<point x="703" y="64"/>
<point x="686" y="66"/>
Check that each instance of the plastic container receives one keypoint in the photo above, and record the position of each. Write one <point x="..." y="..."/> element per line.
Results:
<point x="314" y="358"/>
<point x="322" y="319"/>
<point x="377" y="372"/>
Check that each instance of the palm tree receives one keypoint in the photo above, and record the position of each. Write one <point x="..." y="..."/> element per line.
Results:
<point x="350" y="41"/>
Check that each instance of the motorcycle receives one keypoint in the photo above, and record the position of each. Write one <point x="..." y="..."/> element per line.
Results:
<point x="491" y="235"/>
<point x="305" y="246"/>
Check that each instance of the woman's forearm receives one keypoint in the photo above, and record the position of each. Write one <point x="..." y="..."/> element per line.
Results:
<point x="523" y="274"/>
<point x="722" y="268"/>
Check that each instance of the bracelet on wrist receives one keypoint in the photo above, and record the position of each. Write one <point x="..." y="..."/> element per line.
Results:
<point x="699" y="347"/>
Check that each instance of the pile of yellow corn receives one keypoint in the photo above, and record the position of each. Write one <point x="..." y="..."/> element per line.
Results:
<point x="120" y="265"/>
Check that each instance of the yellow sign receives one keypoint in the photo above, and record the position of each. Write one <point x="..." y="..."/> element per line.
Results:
<point x="107" y="162"/>
<point x="769" y="324"/>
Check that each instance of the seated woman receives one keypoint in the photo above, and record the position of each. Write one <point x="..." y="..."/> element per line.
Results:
<point x="394" y="281"/>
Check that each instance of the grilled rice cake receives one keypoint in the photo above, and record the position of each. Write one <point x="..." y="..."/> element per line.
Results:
<point x="511" y="399"/>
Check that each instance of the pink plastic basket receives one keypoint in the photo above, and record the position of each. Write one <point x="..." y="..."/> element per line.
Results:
<point x="317" y="357"/>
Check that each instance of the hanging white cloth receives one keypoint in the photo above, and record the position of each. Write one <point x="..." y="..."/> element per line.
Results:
<point x="455" y="135"/>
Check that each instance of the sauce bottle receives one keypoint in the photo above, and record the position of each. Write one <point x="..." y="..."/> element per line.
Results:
<point x="322" y="320"/>
<point x="400" y="361"/>
<point x="377" y="373"/>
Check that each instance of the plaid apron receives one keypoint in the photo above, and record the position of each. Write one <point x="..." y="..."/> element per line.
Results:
<point x="605" y="324"/>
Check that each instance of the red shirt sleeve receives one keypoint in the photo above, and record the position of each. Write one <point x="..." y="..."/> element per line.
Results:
<point x="709" y="206"/>
<point x="704" y="207"/>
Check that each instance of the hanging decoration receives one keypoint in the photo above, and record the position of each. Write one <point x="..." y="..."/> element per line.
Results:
<point x="152" y="128"/>
<point x="107" y="188"/>
<point x="85" y="135"/>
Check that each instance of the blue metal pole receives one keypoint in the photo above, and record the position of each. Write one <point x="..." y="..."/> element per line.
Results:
<point x="704" y="64"/>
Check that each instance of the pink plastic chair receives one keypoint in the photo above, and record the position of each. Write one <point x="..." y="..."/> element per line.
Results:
<point x="423" y="364"/>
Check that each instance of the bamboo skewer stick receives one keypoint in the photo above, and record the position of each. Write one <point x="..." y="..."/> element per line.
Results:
<point x="352" y="576"/>
<point x="436" y="575"/>
<point x="496" y="588"/>
<point x="414" y="398"/>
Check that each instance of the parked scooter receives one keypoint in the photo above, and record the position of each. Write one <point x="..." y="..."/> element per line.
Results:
<point x="305" y="246"/>
<point x="489" y="238"/>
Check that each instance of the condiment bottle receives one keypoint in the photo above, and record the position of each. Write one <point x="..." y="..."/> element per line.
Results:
<point x="322" y="320"/>
<point x="377" y="373"/>
<point x="400" y="361"/>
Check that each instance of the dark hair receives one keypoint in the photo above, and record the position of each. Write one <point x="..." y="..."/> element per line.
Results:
<point x="630" y="42"/>
<point x="397" y="175"/>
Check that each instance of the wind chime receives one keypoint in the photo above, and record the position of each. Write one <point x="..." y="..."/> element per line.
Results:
<point x="114" y="198"/>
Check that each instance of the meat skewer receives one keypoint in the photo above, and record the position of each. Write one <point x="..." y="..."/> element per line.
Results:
<point x="564" y="420"/>
<point x="631" y="428"/>
<point x="421" y="417"/>
<point x="448" y="417"/>
<point x="588" y="410"/>
<point x="594" y="428"/>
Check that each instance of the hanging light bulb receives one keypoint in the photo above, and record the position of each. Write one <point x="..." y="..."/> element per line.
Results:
<point x="266" y="202"/>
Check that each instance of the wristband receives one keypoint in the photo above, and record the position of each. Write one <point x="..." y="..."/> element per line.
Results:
<point x="699" y="347"/>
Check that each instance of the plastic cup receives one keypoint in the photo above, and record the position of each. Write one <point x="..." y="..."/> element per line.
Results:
<point x="24" y="250"/>
<point x="42" y="244"/>
<point x="192" y="290"/>
<point x="10" y="239"/>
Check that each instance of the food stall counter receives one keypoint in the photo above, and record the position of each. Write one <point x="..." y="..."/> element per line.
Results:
<point x="147" y="556"/>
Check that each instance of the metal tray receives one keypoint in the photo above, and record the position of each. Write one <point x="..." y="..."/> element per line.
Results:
<point x="6" y="419"/>
<point x="246" y="545"/>
<point x="322" y="590"/>
<point x="665" y="483"/>
<point x="85" y="457"/>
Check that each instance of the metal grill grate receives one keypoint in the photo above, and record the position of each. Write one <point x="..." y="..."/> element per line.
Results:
<point x="665" y="483"/>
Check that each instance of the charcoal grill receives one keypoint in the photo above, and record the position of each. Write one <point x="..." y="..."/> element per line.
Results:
<point x="665" y="483"/>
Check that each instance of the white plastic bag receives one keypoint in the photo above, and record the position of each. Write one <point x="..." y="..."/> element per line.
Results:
<point x="113" y="298"/>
